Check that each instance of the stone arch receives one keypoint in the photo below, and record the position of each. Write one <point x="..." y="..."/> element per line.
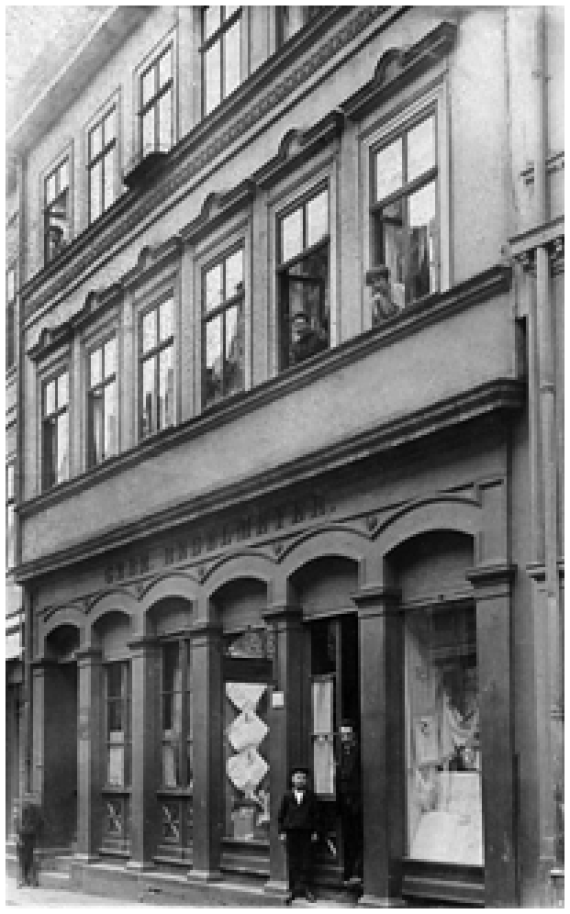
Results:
<point x="333" y="540"/>
<point x="68" y="617"/>
<point x="176" y="584"/>
<point x="119" y="602"/>
<point x="246" y="564"/>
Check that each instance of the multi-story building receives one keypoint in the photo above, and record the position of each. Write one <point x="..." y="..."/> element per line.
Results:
<point x="291" y="446"/>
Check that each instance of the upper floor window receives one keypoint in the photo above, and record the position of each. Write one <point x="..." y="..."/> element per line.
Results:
<point x="223" y="318"/>
<point x="102" y="407"/>
<point x="10" y="516"/>
<point x="57" y="210"/>
<point x="157" y="104"/>
<point x="102" y="146"/>
<point x="10" y="317"/>
<point x="404" y="229"/>
<point x="157" y="368"/>
<point x="55" y="430"/>
<point x="303" y="279"/>
<point x="221" y="53"/>
<point x="292" y="18"/>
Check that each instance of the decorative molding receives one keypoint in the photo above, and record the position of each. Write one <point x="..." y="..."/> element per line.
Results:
<point x="217" y="210"/>
<point x="297" y="147"/>
<point x="550" y="235"/>
<point x="554" y="163"/>
<point x="259" y="96"/>
<point x="50" y="340"/>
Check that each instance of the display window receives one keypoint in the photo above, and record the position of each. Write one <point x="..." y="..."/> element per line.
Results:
<point x="443" y="745"/>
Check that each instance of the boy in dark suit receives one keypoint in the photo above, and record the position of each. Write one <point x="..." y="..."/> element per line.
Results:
<point x="298" y="822"/>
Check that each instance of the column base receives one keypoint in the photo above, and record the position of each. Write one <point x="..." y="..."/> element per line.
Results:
<point x="80" y="857"/>
<point x="375" y="901"/>
<point x="135" y="866"/>
<point x="202" y="876"/>
<point x="277" y="889"/>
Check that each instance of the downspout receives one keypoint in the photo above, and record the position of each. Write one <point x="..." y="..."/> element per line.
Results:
<point x="546" y="394"/>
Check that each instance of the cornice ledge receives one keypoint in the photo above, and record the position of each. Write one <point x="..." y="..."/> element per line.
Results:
<point x="494" y="573"/>
<point x="382" y="597"/>
<point x="539" y="235"/>
<point x="399" y="66"/>
<point x="258" y="96"/>
<point x="493" y="395"/>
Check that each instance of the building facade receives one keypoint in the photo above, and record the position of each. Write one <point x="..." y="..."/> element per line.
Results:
<point x="291" y="400"/>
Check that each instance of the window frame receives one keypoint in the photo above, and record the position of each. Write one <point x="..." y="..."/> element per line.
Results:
<point x="125" y="699"/>
<point x="54" y="377"/>
<point x="10" y="513"/>
<point x="167" y="46"/>
<point x="53" y="169"/>
<point x="221" y="310"/>
<point x="100" y="344"/>
<point x="303" y="14"/>
<point x="154" y="353"/>
<point x="185" y="754"/>
<point x="11" y="347"/>
<point x="378" y="131"/>
<point x="98" y="121"/>
<point x="206" y="44"/>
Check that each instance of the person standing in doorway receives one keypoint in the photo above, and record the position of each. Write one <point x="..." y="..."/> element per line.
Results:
<point x="298" y="824"/>
<point x="349" y="797"/>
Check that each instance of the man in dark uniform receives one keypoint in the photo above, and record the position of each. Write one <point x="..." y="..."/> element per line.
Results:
<point x="349" y="796"/>
<point x="305" y="340"/>
<point x="298" y="823"/>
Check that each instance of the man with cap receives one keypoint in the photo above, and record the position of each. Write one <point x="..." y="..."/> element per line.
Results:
<point x="305" y="340"/>
<point x="383" y="305"/>
<point x="349" y="798"/>
<point x="298" y="824"/>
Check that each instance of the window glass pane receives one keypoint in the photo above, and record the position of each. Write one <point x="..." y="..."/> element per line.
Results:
<point x="213" y="380"/>
<point x="115" y="680"/>
<point x="148" y="86"/>
<point x="110" y="420"/>
<point x="442" y="738"/>
<point x="149" y="330"/>
<point x="287" y="24"/>
<point x="11" y="292"/>
<point x="62" y="390"/>
<point x="166" y="329"/>
<point x="291" y="235"/>
<point x="64" y="175"/>
<point x="148" y="398"/>
<point x="230" y="10"/>
<point x="234" y="274"/>
<point x="49" y="453"/>
<point x="232" y="58"/>
<point x="148" y="131"/>
<point x="165" y="68"/>
<point x="211" y="20"/>
<point x="170" y="666"/>
<point x="166" y="389"/>
<point x="95" y="191"/>
<point x="95" y="141"/>
<point x="110" y="357"/>
<point x="213" y="77"/>
<point x="62" y="447"/>
<point x="49" y="401"/>
<point x="109" y="179"/>
<point x="95" y="427"/>
<point x="388" y="169"/>
<point x="423" y="267"/>
<point x="233" y="372"/>
<point x="165" y="122"/>
<point x="214" y="289"/>
<point x="50" y="188"/>
<point x="317" y="218"/>
<point x="109" y="127"/>
<point x="10" y="481"/>
<point x="421" y="148"/>
<point x="390" y="248"/>
<point x="10" y="538"/>
<point x="95" y="366"/>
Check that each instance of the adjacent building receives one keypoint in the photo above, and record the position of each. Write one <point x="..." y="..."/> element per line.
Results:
<point x="289" y="314"/>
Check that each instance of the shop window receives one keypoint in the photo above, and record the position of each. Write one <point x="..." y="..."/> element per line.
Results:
<point x="221" y="53"/>
<point x="118" y="723"/>
<point x="57" y="210"/>
<point x="101" y="166"/>
<point x="403" y="212"/>
<point x="223" y="328"/>
<point x="102" y="408"/>
<point x="443" y="747"/>
<point x="176" y="716"/>
<point x="55" y="430"/>
<point x="157" y="368"/>
<point x="156" y="110"/>
<point x="290" y="19"/>
<point x="10" y="317"/>
<point x="10" y="516"/>
<point x="303" y="279"/>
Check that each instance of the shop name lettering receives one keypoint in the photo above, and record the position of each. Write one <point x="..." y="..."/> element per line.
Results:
<point x="245" y="527"/>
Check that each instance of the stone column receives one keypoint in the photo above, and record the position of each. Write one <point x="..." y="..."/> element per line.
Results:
<point x="144" y="752"/>
<point x="492" y="588"/>
<point x="286" y="732"/>
<point x="90" y="753"/>
<point x="382" y="751"/>
<point x="206" y="676"/>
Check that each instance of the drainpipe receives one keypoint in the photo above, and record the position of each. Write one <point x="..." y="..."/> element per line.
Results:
<point x="546" y="381"/>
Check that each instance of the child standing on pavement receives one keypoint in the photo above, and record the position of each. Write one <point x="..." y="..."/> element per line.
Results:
<point x="298" y="822"/>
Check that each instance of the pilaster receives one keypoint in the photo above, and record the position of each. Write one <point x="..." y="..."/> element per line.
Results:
<point x="89" y="753"/>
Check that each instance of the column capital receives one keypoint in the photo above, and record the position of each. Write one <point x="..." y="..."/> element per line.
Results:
<point x="85" y="655"/>
<point x="278" y="612"/>
<point x="40" y="664"/>
<point x="492" y="580"/>
<point x="376" y="600"/>
<point x="142" y="644"/>
<point x="204" y="631"/>
<point x="537" y="571"/>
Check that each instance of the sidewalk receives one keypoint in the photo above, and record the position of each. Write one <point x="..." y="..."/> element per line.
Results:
<point x="53" y="897"/>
